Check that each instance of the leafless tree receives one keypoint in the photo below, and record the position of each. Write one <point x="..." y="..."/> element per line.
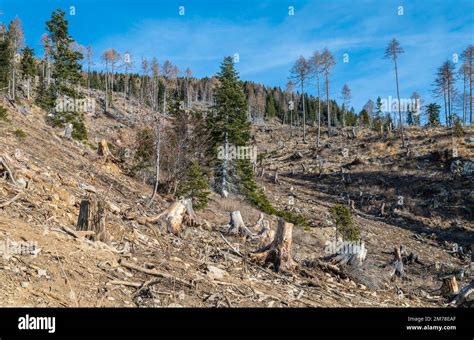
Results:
<point x="468" y="58"/>
<point x="17" y="41"/>
<point x="346" y="99"/>
<point x="111" y="57"/>
<point x="392" y="52"/>
<point x="300" y="73"/>
<point x="317" y="69"/>
<point x="444" y="86"/>
<point x="189" y="75"/>
<point x="328" y="62"/>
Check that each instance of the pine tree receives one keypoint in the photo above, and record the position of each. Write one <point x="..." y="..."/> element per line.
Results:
<point x="66" y="74"/>
<point x="271" y="109"/>
<point x="27" y="67"/>
<point x="5" y="60"/>
<point x="229" y="127"/>
<point x="364" y="118"/>
<point x="195" y="186"/>
<point x="67" y="68"/>
<point x="378" y="107"/>
<point x="432" y="111"/>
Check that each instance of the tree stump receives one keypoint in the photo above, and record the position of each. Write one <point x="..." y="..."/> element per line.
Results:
<point x="103" y="150"/>
<point x="278" y="252"/>
<point x="92" y="218"/>
<point x="450" y="286"/>
<point x="237" y="225"/>
<point x="399" y="270"/>
<point x="179" y="212"/>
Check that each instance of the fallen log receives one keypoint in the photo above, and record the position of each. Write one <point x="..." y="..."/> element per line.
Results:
<point x="4" y="163"/>
<point x="10" y="201"/>
<point x="78" y="233"/>
<point x="278" y="252"/>
<point x="153" y="272"/>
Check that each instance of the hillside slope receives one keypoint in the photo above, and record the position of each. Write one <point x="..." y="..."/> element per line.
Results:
<point x="202" y="266"/>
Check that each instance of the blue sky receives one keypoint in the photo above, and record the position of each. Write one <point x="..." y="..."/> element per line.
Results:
<point x="268" y="39"/>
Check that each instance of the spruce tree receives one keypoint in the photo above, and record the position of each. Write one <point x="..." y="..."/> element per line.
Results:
<point x="432" y="111"/>
<point x="66" y="74"/>
<point x="195" y="186"/>
<point x="67" y="69"/>
<point x="5" y="60"/>
<point x="27" y="67"/>
<point x="229" y="127"/>
<point x="378" y="107"/>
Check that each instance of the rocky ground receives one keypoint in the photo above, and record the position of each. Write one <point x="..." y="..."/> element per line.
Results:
<point x="204" y="266"/>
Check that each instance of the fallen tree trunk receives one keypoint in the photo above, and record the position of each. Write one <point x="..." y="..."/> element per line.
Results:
<point x="92" y="218"/>
<point x="4" y="163"/>
<point x="153" y="272"/>
<point x="278" y="252"/>
<point x="10" y="201"/>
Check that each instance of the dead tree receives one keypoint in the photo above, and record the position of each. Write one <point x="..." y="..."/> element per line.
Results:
<point x="92" y="218"/>
<point x="278" y="252"/>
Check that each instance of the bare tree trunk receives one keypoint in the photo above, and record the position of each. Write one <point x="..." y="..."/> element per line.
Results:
<point x="225" y="164"/>
<point x="328" y="105"/>
<point x="157" y="161"/>
<point x="28" y="88"/>
<point x="304" y="113"/>
<point x="399" y="108"/>
<point x="319" y="116"/>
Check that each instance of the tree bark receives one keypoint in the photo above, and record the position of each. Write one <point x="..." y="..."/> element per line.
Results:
<point x="179" y="212"/>
<point x="278" y="252"/>
<point x="450" y="286"/>
<point x="92" y="218"/>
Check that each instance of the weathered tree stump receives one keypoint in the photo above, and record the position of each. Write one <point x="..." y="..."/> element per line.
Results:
<point x="92" y="218"/>
<point x="103" y="150"/>
<point x="237" y="226"/>
<point x="398" y="270"/>
<point x="275" y="178"/>
<point x="278" y="252"/>
<point x="450" y="286"/>
<point x="179" y="213"/>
